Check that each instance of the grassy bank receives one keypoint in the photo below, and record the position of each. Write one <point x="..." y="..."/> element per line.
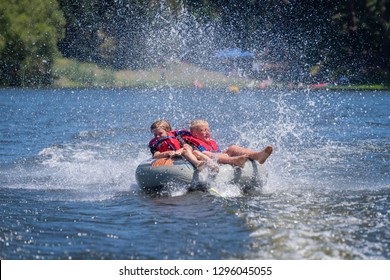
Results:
<point x="359" y="87"/>
<point x="72" y="74"/>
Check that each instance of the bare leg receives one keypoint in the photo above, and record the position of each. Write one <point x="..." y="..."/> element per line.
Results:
<point x="233" y="160"/>
<point x="201" y="156"/>
<point x="199" y="164"/>
<point x="210" y="163"/>
<point x="224" y="158"/>
<point x="260" y="156"/>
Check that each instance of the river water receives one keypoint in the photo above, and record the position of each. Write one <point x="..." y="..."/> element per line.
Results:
<point x="68" y="189"/>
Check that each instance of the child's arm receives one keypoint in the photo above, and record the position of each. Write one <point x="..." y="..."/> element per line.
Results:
<point x="167" y="154"/>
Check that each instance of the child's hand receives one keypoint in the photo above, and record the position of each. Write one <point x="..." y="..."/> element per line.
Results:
<point x="188" y="147"/>
<point x="171" y="154"/>
<point x="179" y="152"/>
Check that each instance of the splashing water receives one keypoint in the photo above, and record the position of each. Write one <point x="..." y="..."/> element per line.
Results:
<point x="326" y="195"/>
<point x="175" y="38"/>
<point x="68" y="158"/>
<point x="307" y="134"/>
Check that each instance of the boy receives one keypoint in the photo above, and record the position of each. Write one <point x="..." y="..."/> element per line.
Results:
<point x="234" y="155"/>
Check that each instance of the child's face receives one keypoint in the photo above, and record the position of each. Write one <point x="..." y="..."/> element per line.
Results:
<point x="202" y="132"/>
<point x="159" y="132"/>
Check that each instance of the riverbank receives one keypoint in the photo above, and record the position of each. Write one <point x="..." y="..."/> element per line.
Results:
<point x="72" y="74"/>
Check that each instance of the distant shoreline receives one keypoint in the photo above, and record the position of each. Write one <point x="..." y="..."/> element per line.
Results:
<point x="329" y="88"/>
<point x="71" y="74"/>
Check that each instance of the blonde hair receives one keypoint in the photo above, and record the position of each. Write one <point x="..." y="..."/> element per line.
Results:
<point x="196" y="123"/>
<point x="163" y="124"/>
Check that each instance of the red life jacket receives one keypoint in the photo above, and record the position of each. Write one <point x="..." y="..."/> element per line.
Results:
<point x="164" y="144"/>
<point x="201" y="145"/>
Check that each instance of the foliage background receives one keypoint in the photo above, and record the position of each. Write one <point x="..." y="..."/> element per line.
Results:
<point x="305" y="40"/>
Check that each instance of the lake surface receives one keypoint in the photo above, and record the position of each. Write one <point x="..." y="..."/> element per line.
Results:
<point x="68" y="189"/>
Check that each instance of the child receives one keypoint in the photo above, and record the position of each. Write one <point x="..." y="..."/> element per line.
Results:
<point x="234" y="155"/>
<point x="166" y="145"/>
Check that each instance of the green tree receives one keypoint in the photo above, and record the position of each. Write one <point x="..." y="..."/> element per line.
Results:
<point x="363" y="39"/>
<point x="310" y="40"/>
<point x="84" y="19"/>
<point x="29" y="32"/>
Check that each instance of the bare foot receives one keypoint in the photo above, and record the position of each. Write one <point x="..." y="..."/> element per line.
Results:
<point x="262" y="156"/>
<point x="212" y="165"/>
<point x="200" y="165"/>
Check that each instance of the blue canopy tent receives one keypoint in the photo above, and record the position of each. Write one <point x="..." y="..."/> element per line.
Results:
<point x="233" y="60"/>
<point x="233" y="53"/>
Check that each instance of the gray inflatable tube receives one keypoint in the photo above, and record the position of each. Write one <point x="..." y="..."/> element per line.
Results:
<point x="153" y="175"/>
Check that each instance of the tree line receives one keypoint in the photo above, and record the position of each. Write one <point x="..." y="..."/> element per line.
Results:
<point x="306" y="39"/>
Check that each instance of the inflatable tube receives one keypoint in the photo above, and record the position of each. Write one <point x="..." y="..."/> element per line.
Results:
<point x="153" y="175"/>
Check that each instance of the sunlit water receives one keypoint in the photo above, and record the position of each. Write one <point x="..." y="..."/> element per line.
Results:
<point x="68" y="189"/>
